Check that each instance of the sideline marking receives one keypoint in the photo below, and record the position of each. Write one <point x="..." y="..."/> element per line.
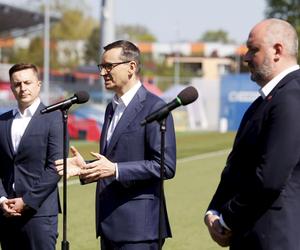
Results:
<point x="69" y="183"/>
<point x="204" y="156"/>
<point x="183" y="160"/>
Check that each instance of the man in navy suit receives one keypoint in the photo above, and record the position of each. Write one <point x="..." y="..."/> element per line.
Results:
<point x="256" y="205"/>
<point x="29" y="145"/>
<point x="127" y="170"/>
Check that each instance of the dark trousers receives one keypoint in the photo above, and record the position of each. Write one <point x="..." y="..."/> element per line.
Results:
<point x="145" y="245"/>
<point x="37" y="233"/>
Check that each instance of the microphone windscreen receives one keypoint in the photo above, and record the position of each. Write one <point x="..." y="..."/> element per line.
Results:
<point x="82" y="96"/>
<point x="188" y="95"/>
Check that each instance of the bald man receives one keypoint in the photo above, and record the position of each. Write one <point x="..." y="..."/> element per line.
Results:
<point x="257" y="203"/>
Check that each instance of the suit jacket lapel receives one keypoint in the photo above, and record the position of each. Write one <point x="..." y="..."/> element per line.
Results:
<point x="128" y="116"/>
<point x="8" y="133"/>
<point x="248" y="117"/>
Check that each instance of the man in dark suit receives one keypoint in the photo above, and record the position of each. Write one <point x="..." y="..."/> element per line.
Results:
<point x="29" y="145"/>
<point x="128" y="167"/>
<point x="256" y="205"/>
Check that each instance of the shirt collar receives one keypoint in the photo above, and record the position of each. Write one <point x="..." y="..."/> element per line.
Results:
<point x="30" y="110"/>
<point x="127" y="97"/>
<point x="265" y="90"/>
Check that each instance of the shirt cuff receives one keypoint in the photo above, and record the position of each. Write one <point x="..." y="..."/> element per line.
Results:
<point x="3" y="198"/>
<point x="222" y="222"/>
<point x="117" y="171"/>
<point x="212" y="212"/>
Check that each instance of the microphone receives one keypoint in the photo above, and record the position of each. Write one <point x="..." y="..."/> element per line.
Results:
<point x="79" y="97"/>
<point x="186" y="96"/>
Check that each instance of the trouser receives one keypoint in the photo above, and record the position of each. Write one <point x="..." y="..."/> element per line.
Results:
<point x="36" y="233"/>
<point x="145" y="245"/>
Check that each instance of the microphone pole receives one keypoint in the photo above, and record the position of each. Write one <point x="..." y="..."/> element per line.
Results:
<point x="185" y="97"/>
<point x="163" y="130"/>
<point x="63" y="106"/>
<point x="65" y="243"/>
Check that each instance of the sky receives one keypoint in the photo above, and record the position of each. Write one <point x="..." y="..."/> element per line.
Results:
<point x="176" y="20"/>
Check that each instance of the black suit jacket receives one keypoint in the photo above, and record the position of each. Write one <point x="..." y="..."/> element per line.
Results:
<point x="259" y="192"/>
<point x="32" y="169"/>
<point x="127" y="209"/>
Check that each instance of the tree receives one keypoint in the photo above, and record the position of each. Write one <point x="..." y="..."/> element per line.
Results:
<point x="35" y="53"/>
<point x="288" y="10"/>
<point x="215" y="36"/>
<point x="92" y="47"/>
<point x="136" y="33"/>
<point x="73" y="26"/>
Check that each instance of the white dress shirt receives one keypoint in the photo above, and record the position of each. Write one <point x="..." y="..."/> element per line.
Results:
<point x="119" y="106"/>
<point x="265" y="90"/>
<point x="21" y="122"/>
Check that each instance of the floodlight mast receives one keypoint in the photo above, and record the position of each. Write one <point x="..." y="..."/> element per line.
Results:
<point x="46" y="51"/>
<point x="107" y="32"/>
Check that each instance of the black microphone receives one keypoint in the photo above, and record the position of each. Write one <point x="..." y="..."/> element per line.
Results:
<point x="79" y="97"/>
<point x="186" y="96"/>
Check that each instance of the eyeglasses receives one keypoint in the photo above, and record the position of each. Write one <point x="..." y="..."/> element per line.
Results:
<point x="109" y="66"/>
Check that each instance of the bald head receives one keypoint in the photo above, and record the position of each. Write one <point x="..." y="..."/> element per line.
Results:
<point x="272" y="48"/>
<point x="279" y="31"/>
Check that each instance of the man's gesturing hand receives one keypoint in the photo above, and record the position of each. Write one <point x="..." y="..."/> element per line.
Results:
<point x="74" y="164"/>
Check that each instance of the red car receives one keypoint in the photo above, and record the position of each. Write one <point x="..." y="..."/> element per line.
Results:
<point x="85" y="123"/>
<point x="83" y="129"/>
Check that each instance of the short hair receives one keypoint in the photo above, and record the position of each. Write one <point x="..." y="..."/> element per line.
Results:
<point x="281" y="30"/>
<point x="130" y="52"/>
<point x="22" y="66"/>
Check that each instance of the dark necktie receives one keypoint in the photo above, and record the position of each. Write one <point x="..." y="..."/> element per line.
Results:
<point x="109" y="119"/>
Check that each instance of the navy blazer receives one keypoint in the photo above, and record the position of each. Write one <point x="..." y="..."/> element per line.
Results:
<point x="259" y="191"/>
<point x="127" y="209"/>
<point x="32" y="168"/>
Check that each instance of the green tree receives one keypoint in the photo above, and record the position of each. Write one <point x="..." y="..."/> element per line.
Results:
<point x="92" y="47"/>
<point x="288" y="10"/>
<point x="128" y="32"/>
<point x="285" y="9"/>
<point x="136" y="33"/>
<point x="35" y="54"/>
<point x="215" y="36"/>
<point x="73" y="26"/>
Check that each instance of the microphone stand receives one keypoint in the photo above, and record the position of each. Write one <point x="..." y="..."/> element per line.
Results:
<point x="162" y="171"/>
<point x="64" y="110"/>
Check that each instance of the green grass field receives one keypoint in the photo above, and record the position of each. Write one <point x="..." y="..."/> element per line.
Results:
<point x="187" y="195"/>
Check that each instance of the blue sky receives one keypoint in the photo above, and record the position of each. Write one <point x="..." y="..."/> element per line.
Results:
<point x="177" y="20"/>
<point x="173" y="20"/>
